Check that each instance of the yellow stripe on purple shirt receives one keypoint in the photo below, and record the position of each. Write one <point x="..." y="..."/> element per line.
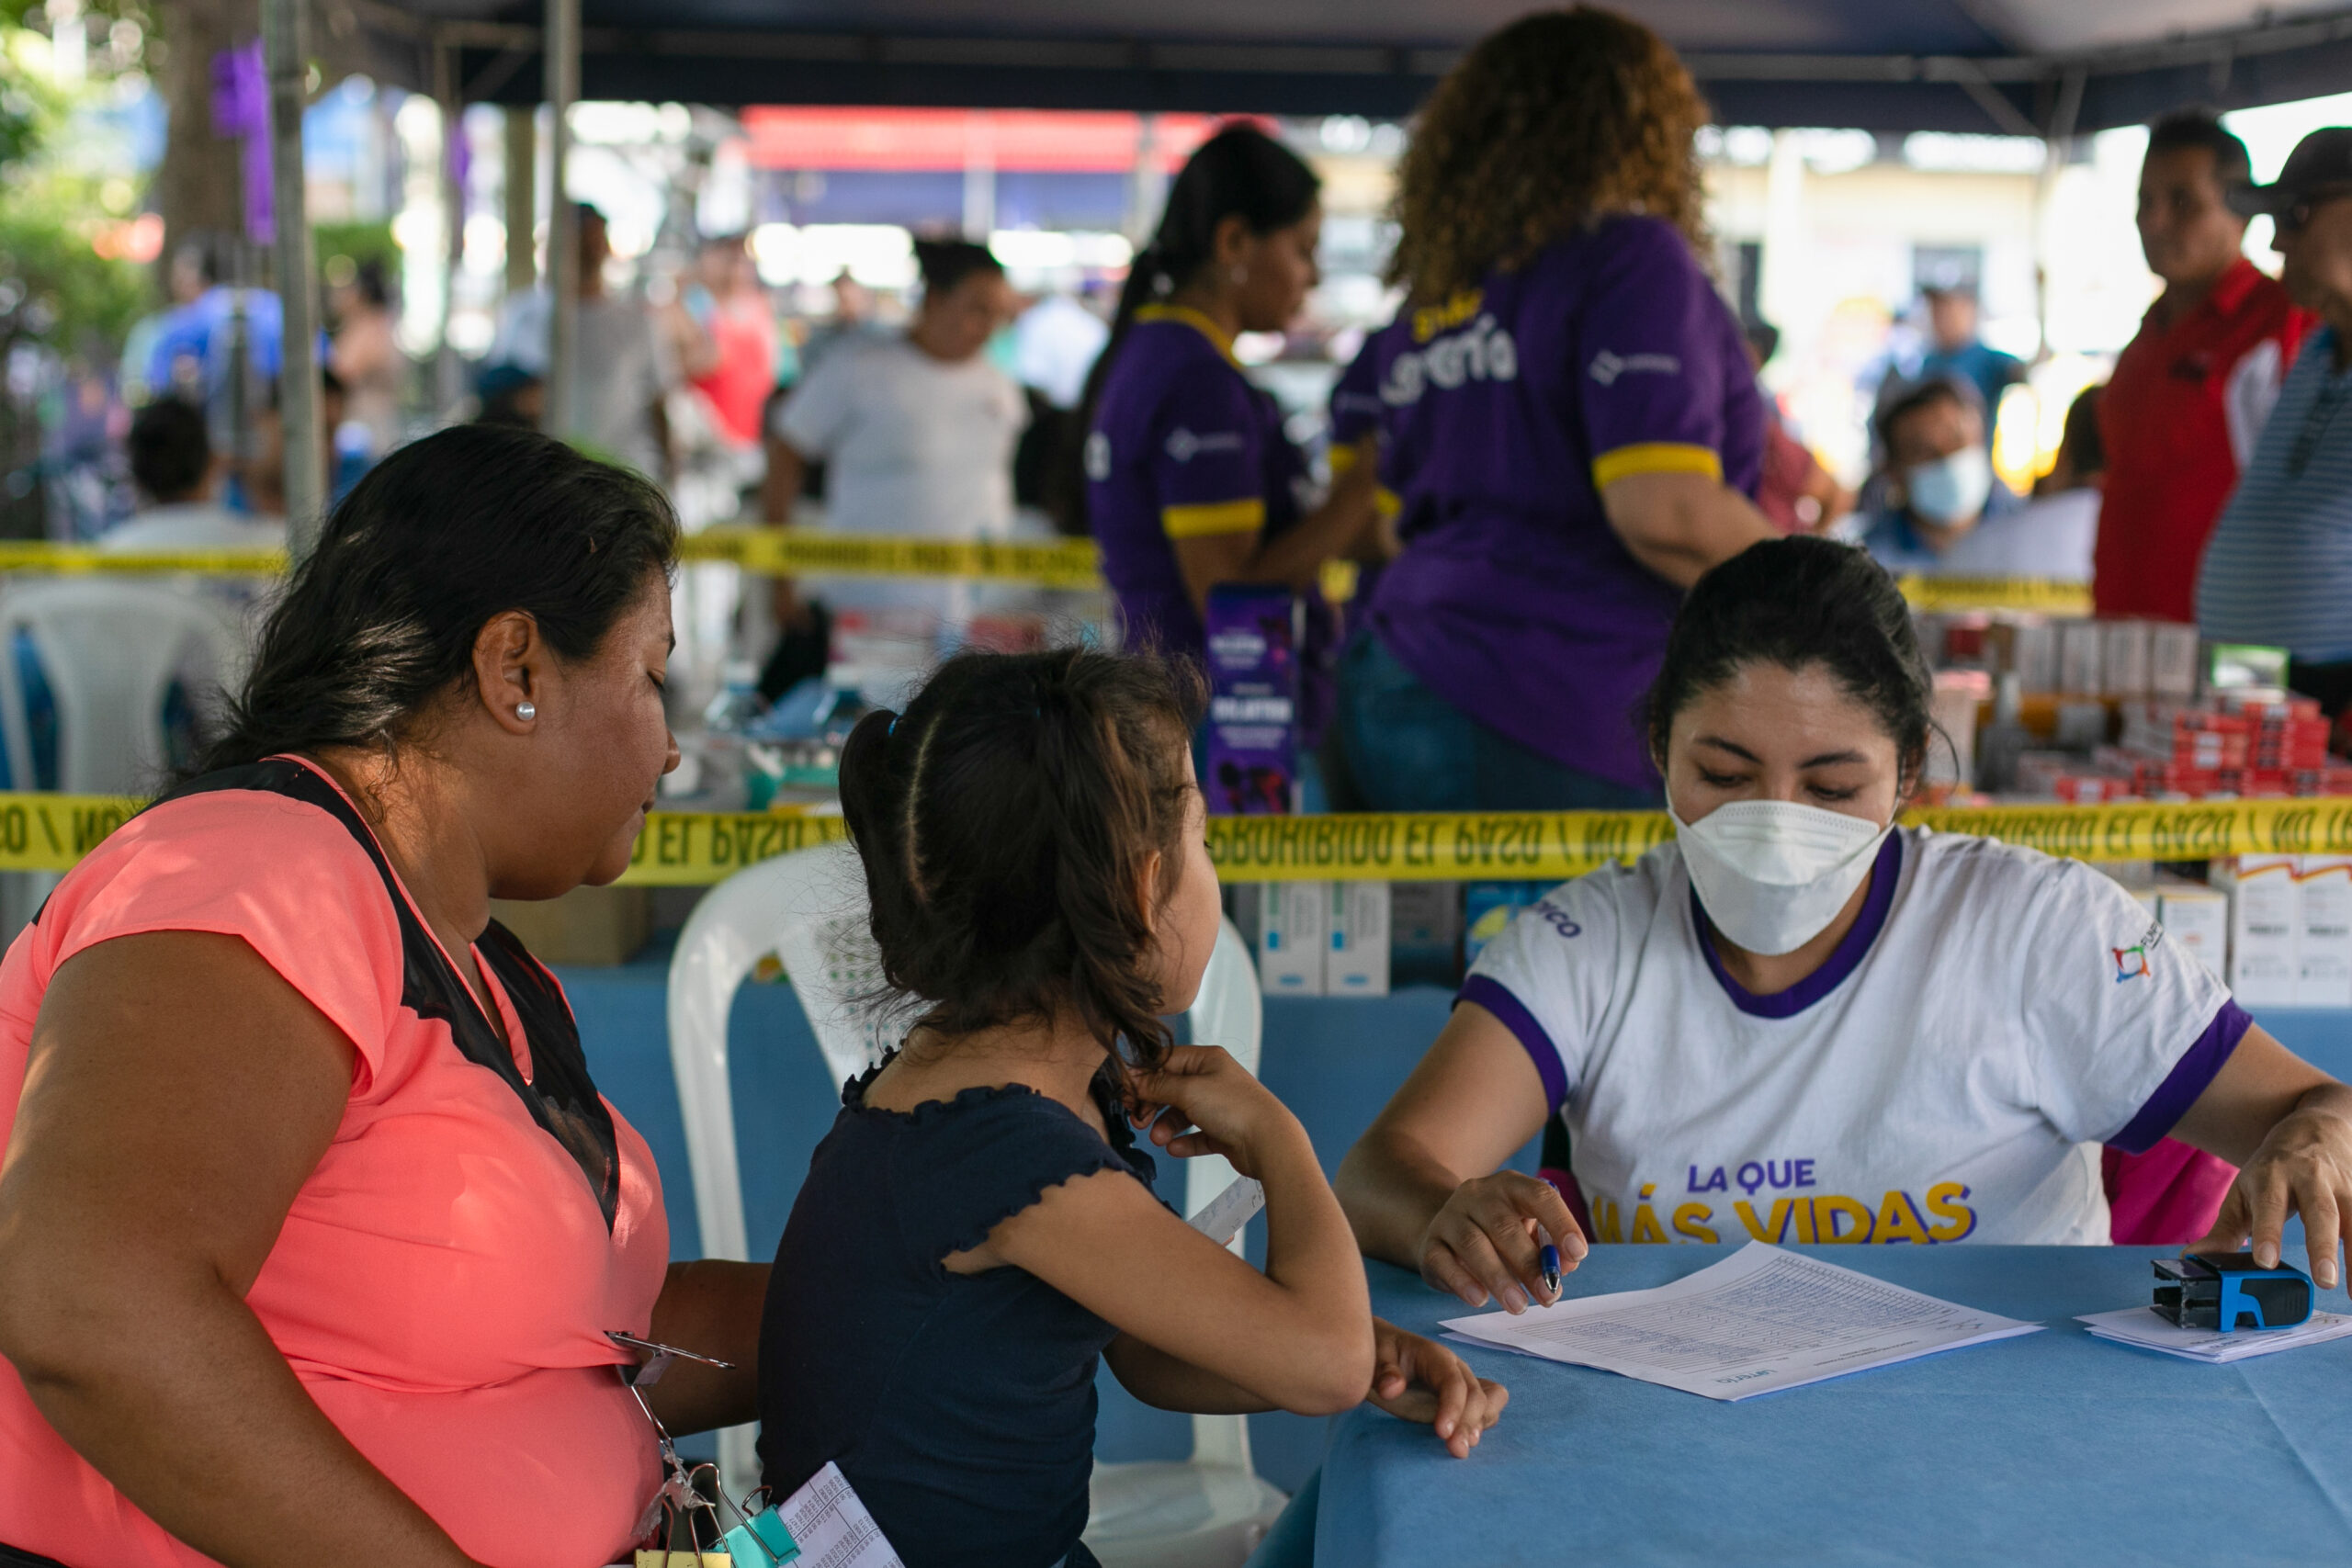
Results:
<point x="1244" y="516"/>
<point x="1655" y="457"/>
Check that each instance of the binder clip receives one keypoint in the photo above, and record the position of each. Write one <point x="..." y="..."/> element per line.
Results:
<point x="681" y="1525"/>
<point x="763" y="1539"/>
<point x="2229" y="1290"/>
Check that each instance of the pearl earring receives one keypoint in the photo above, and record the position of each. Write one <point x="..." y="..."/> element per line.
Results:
<point x="526" y="712"/>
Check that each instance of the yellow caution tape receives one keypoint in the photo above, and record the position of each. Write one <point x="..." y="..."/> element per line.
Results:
<point x="1045" y="563"/>
<point x="1535" y="846"/>
<point x="52" y="833"/>
<point x="2041" y="594"/>
<point x="692" y="849"/>
<point x="1048" y="563"/>
<point x="1553" y="846"/>
<point x="39" y="555"/>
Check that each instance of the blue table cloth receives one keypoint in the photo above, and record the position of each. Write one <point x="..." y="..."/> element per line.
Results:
<point x="1335" y="1061"/>
<point x="2054" y="1448"/>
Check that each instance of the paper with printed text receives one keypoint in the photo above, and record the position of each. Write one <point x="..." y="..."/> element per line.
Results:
<point x="831" y="1527"/>
<point x="1759" y="1321"/>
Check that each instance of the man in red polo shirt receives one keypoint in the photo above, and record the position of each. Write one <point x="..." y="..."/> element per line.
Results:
<point x="2190" y="393"/>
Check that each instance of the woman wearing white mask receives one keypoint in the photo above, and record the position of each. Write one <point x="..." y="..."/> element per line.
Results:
<point x="1800" y="1024"/>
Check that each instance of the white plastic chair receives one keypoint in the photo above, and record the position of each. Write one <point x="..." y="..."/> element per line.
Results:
<point x="109" y="649"/>
<point x="809" y="910"/>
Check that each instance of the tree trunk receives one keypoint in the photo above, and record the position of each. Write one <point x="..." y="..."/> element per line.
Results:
<point x="199" y="189"/>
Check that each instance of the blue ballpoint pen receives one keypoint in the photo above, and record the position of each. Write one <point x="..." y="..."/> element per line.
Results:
<point x="1550" y="1259"/>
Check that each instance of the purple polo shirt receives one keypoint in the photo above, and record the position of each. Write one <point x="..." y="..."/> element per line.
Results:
<point x="1506" y="408"/>
<point x="1355" y="397"/>
<point x="1186" y="445"/>
<point x="1356" y="411"/>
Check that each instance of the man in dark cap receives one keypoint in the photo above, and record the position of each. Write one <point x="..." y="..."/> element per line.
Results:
<point x="2278" y="570"/>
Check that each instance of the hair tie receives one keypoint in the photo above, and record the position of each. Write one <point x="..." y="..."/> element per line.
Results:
<point x="893" y="729"/>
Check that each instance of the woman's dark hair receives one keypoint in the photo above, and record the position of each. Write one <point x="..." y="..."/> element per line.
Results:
<point x="1800" y="602"/>
<point x="946" y="263"/>
<point x="1005" y="820"/>
<point x="443" y="535"/>
<point x="1241" y="173"/>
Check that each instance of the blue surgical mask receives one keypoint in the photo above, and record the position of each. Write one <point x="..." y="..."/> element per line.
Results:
<point x="1951" y="490"/>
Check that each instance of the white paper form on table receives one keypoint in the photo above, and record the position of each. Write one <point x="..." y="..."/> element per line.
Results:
<point x="1759" y="1321"/>
<point x="2141" y="1327"/>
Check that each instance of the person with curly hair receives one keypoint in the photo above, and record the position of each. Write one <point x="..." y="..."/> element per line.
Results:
<point x="1571" y="425"/>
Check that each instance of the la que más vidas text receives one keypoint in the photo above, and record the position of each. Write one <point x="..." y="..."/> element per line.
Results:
<point x="1771" y="1212"/>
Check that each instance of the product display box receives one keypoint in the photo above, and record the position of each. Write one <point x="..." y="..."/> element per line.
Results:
<point x="2196" y="917"/>
<point x="1252" y="755"/>
<point x="1356" y="962"/>
<point x="2323" y="932"/>
<point x="2265" y="915"/>
<point x="1293" y="928"/>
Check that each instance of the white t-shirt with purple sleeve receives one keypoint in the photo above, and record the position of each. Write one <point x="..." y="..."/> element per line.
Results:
<point x="1993" y="1016"/>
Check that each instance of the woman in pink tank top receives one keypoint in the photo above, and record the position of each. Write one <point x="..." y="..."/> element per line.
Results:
<point x="312" y="1223"/>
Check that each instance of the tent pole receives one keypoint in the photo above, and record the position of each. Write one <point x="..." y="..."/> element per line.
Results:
<point x="286" y="48"/>
<point x="2057" y="143"/>
<point x="522" y="200"/>
<point x="563" y="223"/>
<point x="447" y="378"/>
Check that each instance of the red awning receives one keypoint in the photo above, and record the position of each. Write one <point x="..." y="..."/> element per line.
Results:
<point x="1012" y="140"/>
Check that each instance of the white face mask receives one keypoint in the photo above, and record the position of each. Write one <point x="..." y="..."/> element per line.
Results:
<point x="1771" y="873"/>
<point x="1951" y="490"/>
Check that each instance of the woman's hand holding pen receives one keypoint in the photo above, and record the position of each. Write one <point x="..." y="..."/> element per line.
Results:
<point x="1201" y="1101"/>
<point x="1485" y="1243"/>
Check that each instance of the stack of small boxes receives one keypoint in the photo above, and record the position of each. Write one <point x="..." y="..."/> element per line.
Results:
<point x="2071" y="658"/>
<point x="2248" y="744"/>
<point x="2290" y="929"/>
<point x="1317" y="939"/>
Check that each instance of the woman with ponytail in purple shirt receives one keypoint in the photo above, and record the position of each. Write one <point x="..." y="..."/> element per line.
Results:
<point x="1190" y="481"/>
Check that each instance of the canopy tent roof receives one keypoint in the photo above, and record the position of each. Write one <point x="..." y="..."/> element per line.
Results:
<point x="2011" y="66"/>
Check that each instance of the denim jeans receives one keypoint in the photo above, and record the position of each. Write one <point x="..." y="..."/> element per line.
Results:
<point x="1406" y="748"/>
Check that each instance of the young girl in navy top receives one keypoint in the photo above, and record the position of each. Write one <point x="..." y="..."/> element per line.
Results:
<point x="979" y="1225"/>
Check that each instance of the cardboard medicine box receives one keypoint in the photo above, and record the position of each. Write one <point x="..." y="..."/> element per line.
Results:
<point x="2265" y="923"/>
<point x="2323" y="932"/>
<point x="2197" y="919"/>
<point x="1356" y="965"/>
<point x="1294" y="930"/>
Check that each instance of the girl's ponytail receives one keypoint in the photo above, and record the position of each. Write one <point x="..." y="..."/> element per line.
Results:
<point x="1006" y="821"/>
